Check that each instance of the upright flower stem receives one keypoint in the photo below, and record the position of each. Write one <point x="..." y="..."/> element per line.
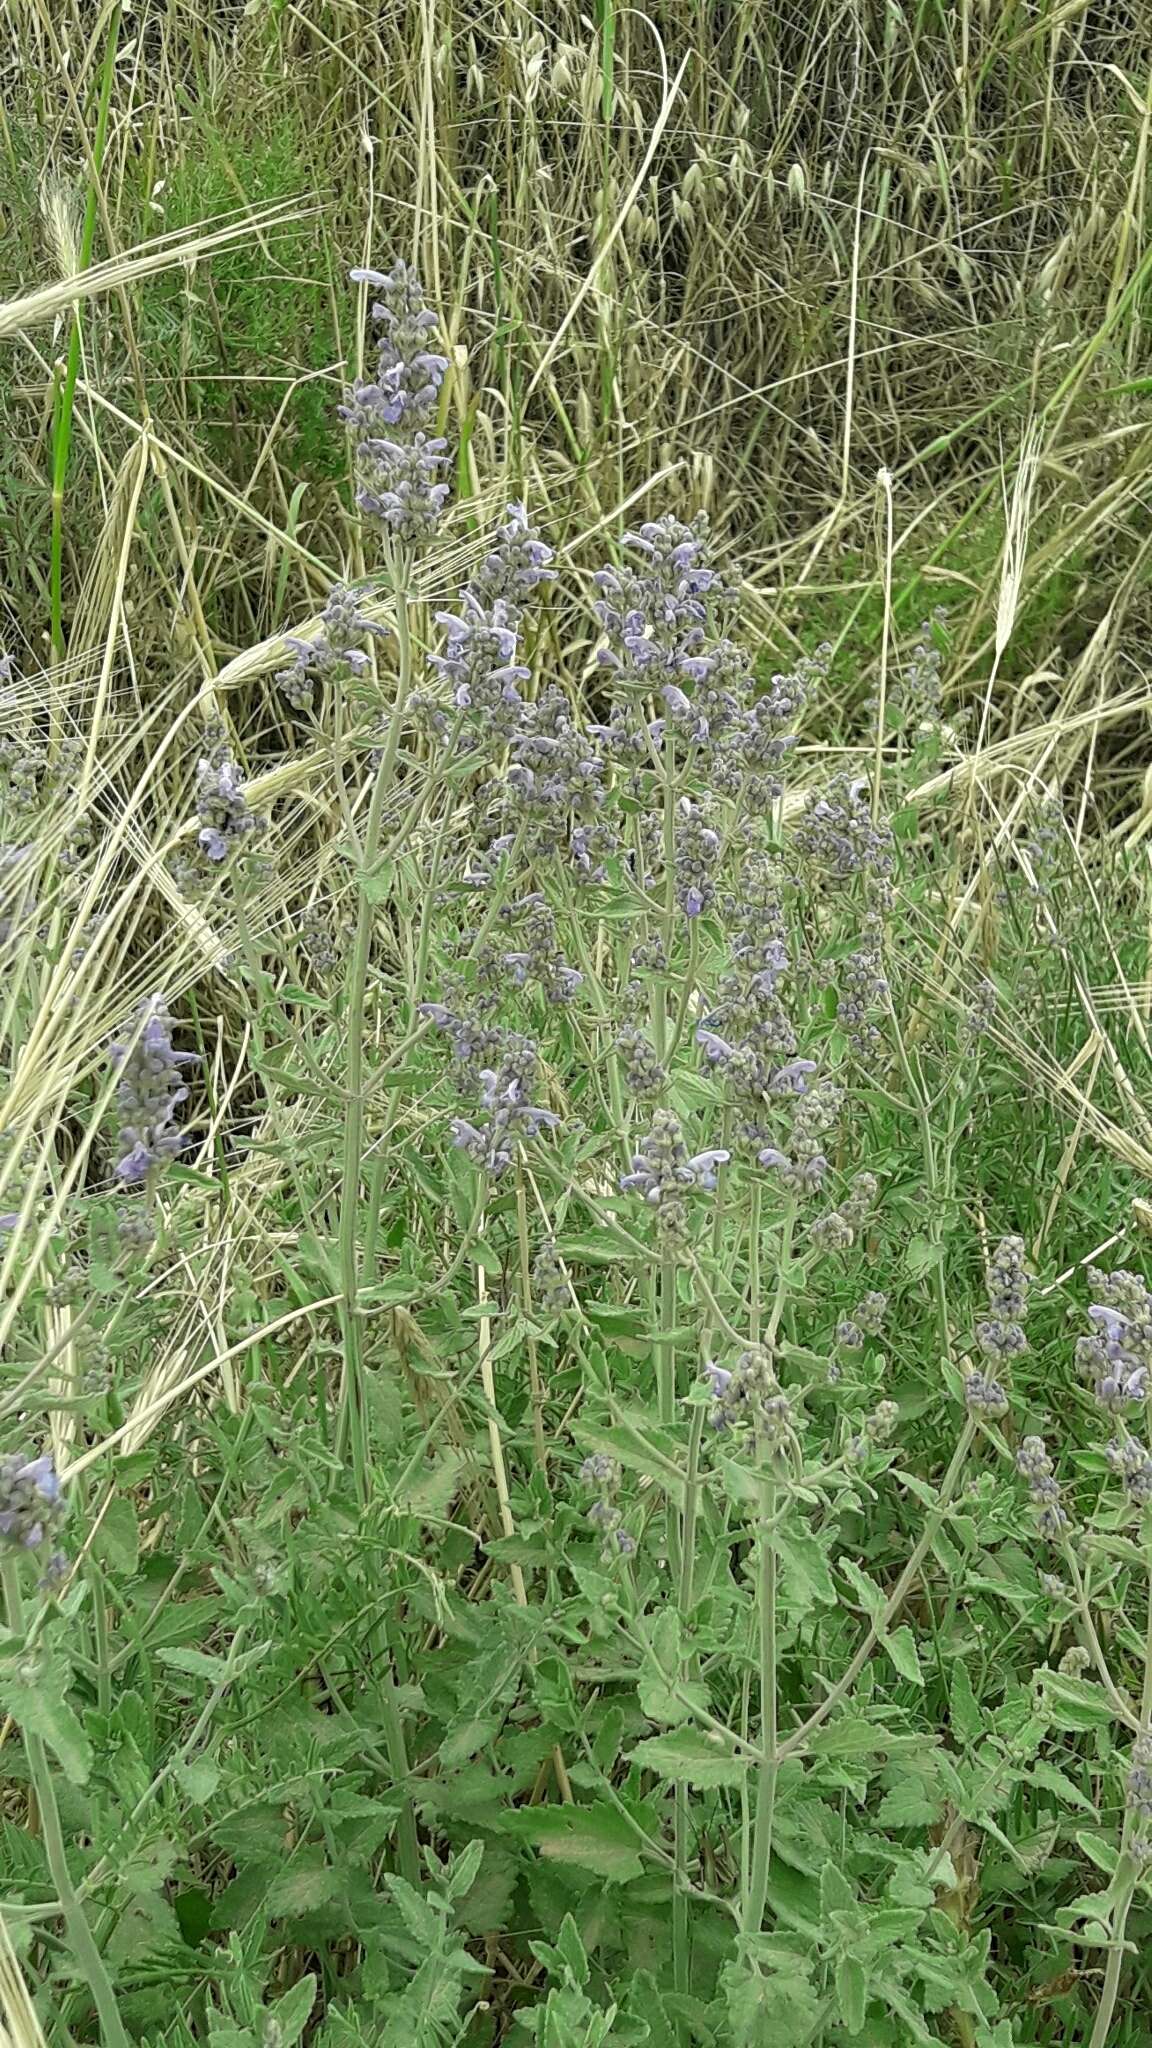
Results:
<point x="752" y="1918"/>
<point x="1110" y="1990"/>
<point x="81" y="1940"/>
<point x="352" y="1426"/>
<point x="352" y="1422"/>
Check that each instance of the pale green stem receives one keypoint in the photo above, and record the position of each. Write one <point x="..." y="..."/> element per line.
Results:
<point x="88" y="1958"/>
<point x="352" y="1425"/>
<point x="752" y="1918"/>
<point x="1115" y="1965"/>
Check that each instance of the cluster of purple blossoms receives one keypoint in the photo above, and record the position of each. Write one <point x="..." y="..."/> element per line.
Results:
<point x="645" y="1077"/>
<point x="333" y="654"/>
<point x="877" y="1429"/>
<point x="863" y="989"/>
<point x="551" y="1288"/>
<point x="984" y="1395"/>
<point x="554" y="789"/>
<point x="838" y="836"/>
<point x="505" y="1094"/>
<point x="697" y="850"/>
<point x="604" y="1474"/>
<point x="1001" y="1336"/>
<point x="481" y="662"/>
<point x="654" y="615"/>
<point x="539" y="958"/>
<point x="31" y="1502"/>
<point x="148" y="1093"/>
<point x="1034" y="1465"/>
<point x="802" y="1163"/>
<point x="838" y="1229"/>
<point x="398" y="460"/>
<point x="663" y="1171"/>
<point x="747" y="1396"/>
<point x="866" y="1320"/>
<point x="227" y="820"/>
<point x="1131" y="1462"/>
<point x="480" y="665"/>
<point x="1117" y="1357"/>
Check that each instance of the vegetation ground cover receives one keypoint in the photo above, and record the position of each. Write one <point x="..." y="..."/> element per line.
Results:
<point x="575" y="927"/>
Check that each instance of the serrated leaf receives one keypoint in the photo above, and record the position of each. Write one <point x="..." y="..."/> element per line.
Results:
<point x="836" y="1894"/>
<point x="595" y="1838"/>
<point x="429" y="1496"/>
<point x="199" y="1778"/>
<point x="32" y="1690"/>
<point x="290" y="2014"/>
<point x="872" y="1598"/>
<point x="853" y="1736"/>
<point x="1052" y="1780"/>
<point x="689" y="1756"/>
<point x="964" y="1709"/>
<point x="1075" y="1704"/>
<point x="117" y="1540"/>
<point x="464" y="1742"/>
<point x="770" y="2007"/>
<point x="217" y="1670"/>
<point x="852" y="1993"/>
<point x="900" y="1646"/>
<point x="806" y="1575"/>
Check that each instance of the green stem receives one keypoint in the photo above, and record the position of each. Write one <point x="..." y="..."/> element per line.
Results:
<point x="1115" y="1965"/>
<point x="352" y="1424"/>
<point x="752" y="1918"/>
<point x="352" y="1427"/>
<point x="66" y="393"/>
<point x="89" y="1960"/>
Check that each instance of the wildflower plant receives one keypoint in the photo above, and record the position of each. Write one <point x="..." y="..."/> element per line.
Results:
<point x="629" y="1515"/>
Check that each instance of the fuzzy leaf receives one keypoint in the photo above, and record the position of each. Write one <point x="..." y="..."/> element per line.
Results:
<point x="689" y="1756"/>
<point x="596" y="1838"/>
<point x="901" y="1648"/>
<point x="33" y="1690"/>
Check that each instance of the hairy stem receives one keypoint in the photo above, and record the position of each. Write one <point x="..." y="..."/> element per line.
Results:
<point x="81" y="1939"/>
<point x="752" y="1917"/>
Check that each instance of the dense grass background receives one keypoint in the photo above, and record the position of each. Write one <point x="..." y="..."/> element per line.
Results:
<point x="870" y="284"/>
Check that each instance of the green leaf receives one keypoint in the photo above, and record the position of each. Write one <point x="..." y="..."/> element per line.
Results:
<point x="852" y="1993"/>
<point x="1052" y="1780"/>
<point x="901" y="1648"/>
<point x="836" y="1894"/>
<point x="854" y="1736"/>
<point x="691" y="1756"/>
<point x="807" y="1578"/>
<point x="430" y="1493"/>
<point x="922" y="1256"/>
<point x="468" y="1739"/>
<point x="872" y="1598"/>
<point x="116" y="1542"/>
<point x="773" y="2006"/>
<point x="659" y="1702"/>
<point x="1076" y="1704"/>
<point x="199" y="1778"/>
<point x="595" y="1838"/>
<point x="33" y="1690"/>
<point x="964" y="1708"/>
<point x="217" y="1670"/>
<point x="290" y="2014"/>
